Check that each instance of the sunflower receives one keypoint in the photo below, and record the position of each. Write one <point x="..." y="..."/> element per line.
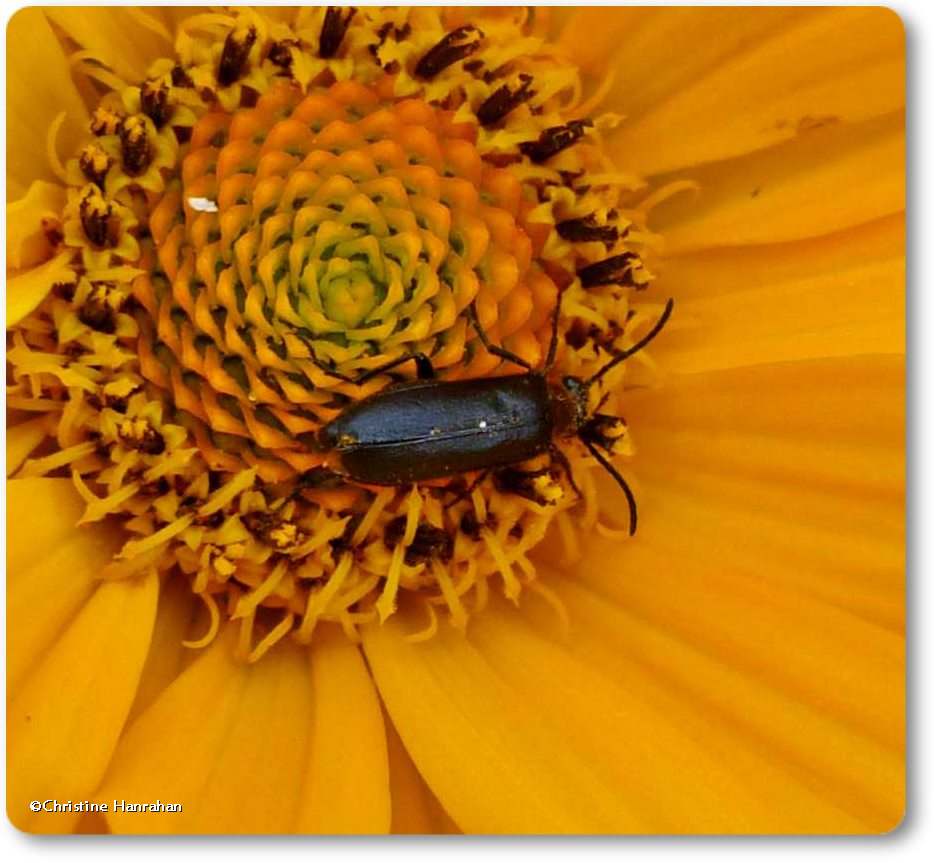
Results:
<point x="227" y="226"/>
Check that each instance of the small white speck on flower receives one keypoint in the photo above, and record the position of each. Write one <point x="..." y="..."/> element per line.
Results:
<point x="202" y="205"/>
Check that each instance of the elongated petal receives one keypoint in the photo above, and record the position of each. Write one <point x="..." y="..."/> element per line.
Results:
<point x="842" y="65"/>
<point x="164" y="662"/>
<point x="126" y="40"/>
<point x="787" y="510"/>
<point x="26" y="243"/>
<point x="39" y="87"/>
<point x="415" y="809"/>
<point x="222" y="740"/>
<point x="482" y="747"/>
<point x="26" y="290"/>
<point x="832" y="178"/>
<point x="819" y="774"/>
<point x="51" y="567"/>
<point x="667" y="48"/>
<point x="63" y="724"/>
<point x="22" y="439"/>
<point x="509" y="724"/>
<point x="233" y="744"/>
<point x="347" y="780"/>
<point x="743" y="306"/>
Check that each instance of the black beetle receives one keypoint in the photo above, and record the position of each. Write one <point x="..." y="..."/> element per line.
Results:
<point x="429" y="429"/>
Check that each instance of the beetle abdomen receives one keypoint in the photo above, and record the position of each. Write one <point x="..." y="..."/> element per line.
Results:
<point x="432" y="429"/>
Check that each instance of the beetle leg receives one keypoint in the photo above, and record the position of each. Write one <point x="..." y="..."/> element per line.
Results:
<point x="558" y="455"/>
<point x="423" y="368"/>
<point x="320" y="477"/>
<point x="321" y="364"/>
<point x="553" y="343"/>
<point x="466" y="492"/>
<point x="496" y="350"/>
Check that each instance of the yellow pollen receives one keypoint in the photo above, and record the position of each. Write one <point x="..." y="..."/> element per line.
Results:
<point x="105" y="121"/>
<point x="548" y="489"/>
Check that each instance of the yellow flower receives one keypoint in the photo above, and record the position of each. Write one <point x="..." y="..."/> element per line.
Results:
<point x="264" y="207"/>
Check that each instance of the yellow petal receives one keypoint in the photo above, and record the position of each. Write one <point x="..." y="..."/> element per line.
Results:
<point x="513" y="694"/>
<point x="22" y="439"/>
<point x="772" y="529"/>
<point x="26" y="290"/>
<point x="39" y="88"/>
<point x="347" y="773"/>
<point x="51" y="567"/>
<point x="116" y="36"/>
<point x="819" y="774"/>
<point x="415" y="809"/>
<point x="26" y="244"/>
<point x="842" y="65"/>
<point x="654" y="37"/>
<point x="225" y="740"/>
<point x="827" y="180"/>
<point x="233" y="743"/>
<point x="822" y="458"/>
<point x="742" y="306"/>
<point x="497" y="763"/>
<point x="166" y="655"/>
<point x="63" y="724"/>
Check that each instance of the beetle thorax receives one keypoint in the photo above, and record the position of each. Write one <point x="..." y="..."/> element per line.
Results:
<point x="568" y="406"/>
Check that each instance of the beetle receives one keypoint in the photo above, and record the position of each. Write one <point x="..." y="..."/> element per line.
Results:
<point x="428" y="429"/>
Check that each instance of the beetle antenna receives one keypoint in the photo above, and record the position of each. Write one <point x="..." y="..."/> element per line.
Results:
<point x="553" y="344"/>
<point x="613" y="472"/>
<point x="638" y="346"/>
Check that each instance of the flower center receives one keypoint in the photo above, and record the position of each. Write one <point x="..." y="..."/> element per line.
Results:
<point x="315" y="237"/>
<point x="257" y="229"/>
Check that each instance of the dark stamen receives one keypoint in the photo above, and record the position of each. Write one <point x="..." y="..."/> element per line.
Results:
<point x="180" y="78"/>
<point x="469" y="525"/>
<point x="280" y="53"/>
<point x="381" y="34"/>
<point x="613" y="271"/>
<point x="555" y="139"/>
<point x="457" y="45"/>
<point x="333" y="30"/>
<point x="237" y="47"/>
<point x="52" y="230"/>
<point x="260" y="523"/>
<point x="97" y="314"/>
<point x="504" y="100"/>
<point x="586" y="230"/>
<point x="135" y="149"/>
<point x="151" y="443"/>
<point x="95" y="214"/>
<point x="429" y="541"/>
<point x="342" y="543"/>
<point x="154" y="102"/>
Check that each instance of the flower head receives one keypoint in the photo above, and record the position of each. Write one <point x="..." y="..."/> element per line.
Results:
<point x="254" y="221"/>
